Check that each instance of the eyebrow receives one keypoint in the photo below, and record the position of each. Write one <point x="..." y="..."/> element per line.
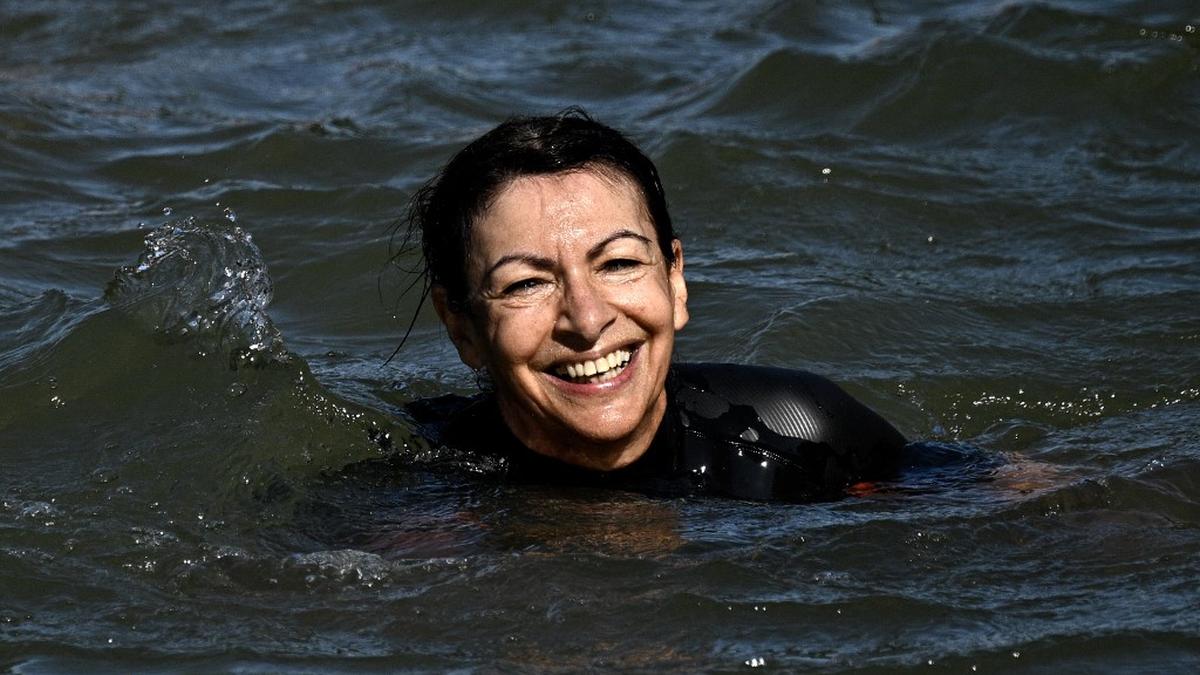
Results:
<point x="619" y="234"/>
<point x="543" y="263"/>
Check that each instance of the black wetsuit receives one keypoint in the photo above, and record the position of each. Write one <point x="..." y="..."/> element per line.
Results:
<point x="738" y="431"/>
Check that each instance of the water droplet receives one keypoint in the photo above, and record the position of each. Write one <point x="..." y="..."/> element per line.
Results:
<point x="56" y="401"/>
<point x="1190" y="28"/>
<point x="167" y="211"/>
<point x="1142" y="32"/>
<point x="230" y="215"/>
<point x="1016" y="655"/>
<point x="826" y="171"/>
<point x="931" y="239"/>
<point x="235" y="390"/>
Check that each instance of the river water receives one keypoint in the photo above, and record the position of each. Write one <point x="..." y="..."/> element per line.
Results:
<point x="981" y="218"/>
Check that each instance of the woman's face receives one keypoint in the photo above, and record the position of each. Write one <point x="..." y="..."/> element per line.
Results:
<point x="573" y="312"/>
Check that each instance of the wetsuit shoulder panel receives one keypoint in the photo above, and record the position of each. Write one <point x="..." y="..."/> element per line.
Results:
<point x="806" y="436"/>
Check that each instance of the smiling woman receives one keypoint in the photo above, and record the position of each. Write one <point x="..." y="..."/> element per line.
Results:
<point x="554" y="266"/>
<point x="573" y="314"/>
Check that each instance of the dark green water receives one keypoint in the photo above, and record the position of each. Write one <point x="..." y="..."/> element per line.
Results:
<point x="981" y="218"/>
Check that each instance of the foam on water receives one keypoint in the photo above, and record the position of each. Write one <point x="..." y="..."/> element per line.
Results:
<point x="202" y="283"/>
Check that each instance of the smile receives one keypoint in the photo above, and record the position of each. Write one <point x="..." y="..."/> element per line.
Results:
<point x="594" y="371"/>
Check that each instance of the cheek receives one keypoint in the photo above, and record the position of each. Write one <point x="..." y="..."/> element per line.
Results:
<point x="515" y="336"/>
<point x="655" y="304"/>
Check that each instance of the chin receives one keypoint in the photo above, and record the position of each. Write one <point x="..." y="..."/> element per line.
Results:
<point x="615" y="427"/>
<point x="605" y="434"/>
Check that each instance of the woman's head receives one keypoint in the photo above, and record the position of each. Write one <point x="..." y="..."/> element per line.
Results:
<point x="553" y="265"/>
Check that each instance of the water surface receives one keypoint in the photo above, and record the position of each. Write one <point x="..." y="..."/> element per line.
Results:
<point x="980" y="218"/>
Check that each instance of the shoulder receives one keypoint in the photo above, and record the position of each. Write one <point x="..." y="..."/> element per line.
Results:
<point x="462" y="422"/>
<point x="790" y="403"/>
<point x="797" y="416"/>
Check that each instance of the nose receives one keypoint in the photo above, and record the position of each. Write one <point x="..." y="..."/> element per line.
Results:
<point x="584" y="314"/>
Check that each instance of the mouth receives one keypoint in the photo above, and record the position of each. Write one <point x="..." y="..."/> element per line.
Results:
<point x="595" y="371"/>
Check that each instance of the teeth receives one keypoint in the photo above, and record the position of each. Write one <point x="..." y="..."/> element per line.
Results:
<point x="603" y="369"/>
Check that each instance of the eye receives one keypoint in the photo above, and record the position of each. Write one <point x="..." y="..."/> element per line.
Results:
<point x="620" y="264"/>
<point x="524" y="286"/>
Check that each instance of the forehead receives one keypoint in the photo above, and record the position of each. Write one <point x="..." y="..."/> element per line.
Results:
<point x="561" y="209"/>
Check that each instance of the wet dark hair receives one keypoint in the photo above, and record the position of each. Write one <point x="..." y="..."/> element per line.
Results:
<point x="443" y="212"/>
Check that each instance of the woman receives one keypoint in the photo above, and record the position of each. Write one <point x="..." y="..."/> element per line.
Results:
<point x="553" y="264"/>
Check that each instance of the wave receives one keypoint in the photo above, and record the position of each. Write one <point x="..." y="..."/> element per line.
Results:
<point x="176" y="393"/>
<point x="941" y="78"/>
<point x="205" y="284"/>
